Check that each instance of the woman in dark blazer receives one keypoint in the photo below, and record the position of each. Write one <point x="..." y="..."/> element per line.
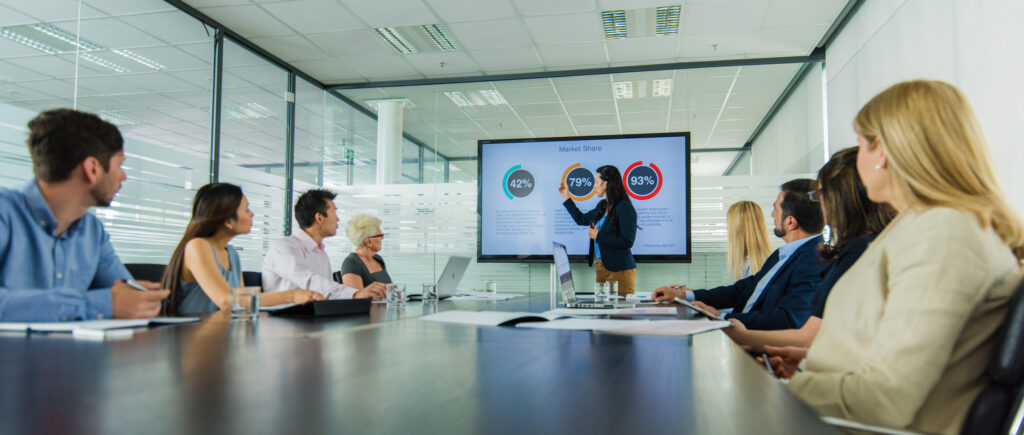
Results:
<point x="612" y="229"/>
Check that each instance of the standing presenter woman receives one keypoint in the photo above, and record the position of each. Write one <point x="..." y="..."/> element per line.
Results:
<point x="612" y="229"/>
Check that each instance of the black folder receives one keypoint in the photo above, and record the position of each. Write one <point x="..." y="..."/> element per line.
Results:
<point x="339" y="307"/>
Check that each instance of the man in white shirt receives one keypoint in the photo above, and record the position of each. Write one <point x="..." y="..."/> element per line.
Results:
<point x="299" y="261"/>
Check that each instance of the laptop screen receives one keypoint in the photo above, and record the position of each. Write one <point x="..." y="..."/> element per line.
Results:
<point x="564" y="272"/>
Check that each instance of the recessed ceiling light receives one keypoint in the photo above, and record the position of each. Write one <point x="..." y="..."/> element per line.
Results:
<point x="486" y="97"/>
<point x="633" y="23"/>
<point x="661" y="88"/>
<point x="418" y="39"/>
<point x="623" y="90"/>
<point x="52" y="40"/>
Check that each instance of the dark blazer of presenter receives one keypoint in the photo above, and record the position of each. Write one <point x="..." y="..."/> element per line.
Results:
<point x="612" y="229"/>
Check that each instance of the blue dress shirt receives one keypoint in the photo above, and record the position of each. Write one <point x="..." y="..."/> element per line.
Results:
<point x="48" y="278"/>
<point x="784" y="251"/>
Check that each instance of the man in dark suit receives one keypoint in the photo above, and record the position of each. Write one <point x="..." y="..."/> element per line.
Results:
<point x="778" y="296"/>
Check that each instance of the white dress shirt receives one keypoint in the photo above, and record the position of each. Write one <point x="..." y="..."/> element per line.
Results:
<point x="297" y="262"/>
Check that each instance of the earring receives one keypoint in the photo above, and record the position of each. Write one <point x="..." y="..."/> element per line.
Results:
<point x="878" y="166"/>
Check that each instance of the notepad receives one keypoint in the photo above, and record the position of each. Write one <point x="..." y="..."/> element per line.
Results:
<point x="678" y="328"/>
<point x="92" y="324"/>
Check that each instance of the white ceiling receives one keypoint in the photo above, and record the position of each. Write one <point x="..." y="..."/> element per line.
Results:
<point x="332" y="41"/>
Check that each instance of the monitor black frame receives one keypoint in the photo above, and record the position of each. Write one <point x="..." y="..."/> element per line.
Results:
<point x="680" y="258"/>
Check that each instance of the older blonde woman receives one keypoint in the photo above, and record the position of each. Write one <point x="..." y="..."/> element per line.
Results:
<point x="364" y="268"/>
<point x="910" y="328"/>
<point x="748" y="245"/>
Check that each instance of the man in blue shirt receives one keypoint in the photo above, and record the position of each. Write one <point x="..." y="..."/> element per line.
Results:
<point x="779" y="296"/>
<point x="56" y="260"/>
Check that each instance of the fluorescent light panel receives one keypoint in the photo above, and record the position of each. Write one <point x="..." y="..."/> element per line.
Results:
<point x="642" y="88"/>
<point x="65" y="42"/>
<point x="418" y="39"/>
<point x="486" y="97"/>
<point x="635" y="23"/>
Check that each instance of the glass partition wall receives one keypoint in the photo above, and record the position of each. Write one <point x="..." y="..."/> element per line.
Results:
<point x="151" y="72"/>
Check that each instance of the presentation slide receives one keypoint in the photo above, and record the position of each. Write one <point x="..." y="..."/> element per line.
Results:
<point x="521" y="212"/>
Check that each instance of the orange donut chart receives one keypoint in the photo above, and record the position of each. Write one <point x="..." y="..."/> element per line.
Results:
<point x="566" y="174"/>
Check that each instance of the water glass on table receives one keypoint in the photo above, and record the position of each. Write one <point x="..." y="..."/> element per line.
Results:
<point x="613" y="288"/>
<point x="245" y="303"/>
<point x="395" y="295"/>
<point x="429" y="292"/>
<point x="601" y="292"/>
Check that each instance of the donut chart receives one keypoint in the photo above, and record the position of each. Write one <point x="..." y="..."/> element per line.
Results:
<point x="518" y="182"/>
<point x="642" y="181"/>
<point x="580" y="182"/>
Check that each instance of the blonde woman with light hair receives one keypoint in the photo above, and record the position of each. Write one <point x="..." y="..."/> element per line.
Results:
<point x="748" y="245"/>
<point x="910" y="328"/>
<point x="364" y="268"/>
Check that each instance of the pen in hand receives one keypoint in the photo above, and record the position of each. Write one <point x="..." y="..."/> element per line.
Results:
<point x="136" y="286"/>
<point x="767" y="365"/>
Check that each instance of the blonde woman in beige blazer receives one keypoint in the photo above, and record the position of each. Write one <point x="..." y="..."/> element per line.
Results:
<point x="909" y="329"/>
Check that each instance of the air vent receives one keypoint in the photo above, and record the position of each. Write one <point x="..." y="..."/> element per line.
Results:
<point x="416" y="39"/>
<point x="635" y="23"/>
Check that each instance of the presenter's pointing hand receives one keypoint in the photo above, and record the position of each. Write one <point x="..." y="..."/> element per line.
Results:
<point x="563" y="190"/>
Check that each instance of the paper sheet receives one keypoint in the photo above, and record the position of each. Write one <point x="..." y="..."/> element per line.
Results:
<point x="679" y="328"/>
<point x="642" y="311"/>
<point x="93" y="324"/>
<point x="487" y="318"/>
<point x="484" y="297"/>
<point x="583" y="324"/>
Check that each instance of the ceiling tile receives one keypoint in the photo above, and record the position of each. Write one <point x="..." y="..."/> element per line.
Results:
<point x="507" y="59"/>
<point x="378" y="13"/>
<point x="715" y="46"/>
<point x="352" y="43"/>
<point x="453" y="11"/>
<point x="544" y="109"/>
<point x="598" y="130"/>
<point x="436" y="63"/>
<point x="590" y="107"/>
<point x="314" y="16"/>
<point x="491" y="34"/>
<point x="562" y="29"/>
<point x="46" y="66"/>
<point x="122" y="7"/>
<point x="603" y="119"/>
<point x="328" y="71"/>
<point x="172" y="27"/>
<point x="782" y="41"/>
<point x="530" y="95"/>
<point x="585" y="92"/>
<point x="290" y="48"/>
<point x="525" y="83"/>
<point x="249" y="21"/>
<point x="643" y="104"/>
<point x="383" y="67"/>
<point x="55" y="10"/>
<point x="10" y="17"/>
<point x="548" y="7"/>
<point x="649" y="50"/>
<point x="784" y="14"/>
<point x="721" y="16"/>
<point x="573" y="55"/>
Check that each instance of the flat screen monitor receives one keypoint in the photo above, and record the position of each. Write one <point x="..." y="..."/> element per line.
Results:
<point x="521" y="213"/>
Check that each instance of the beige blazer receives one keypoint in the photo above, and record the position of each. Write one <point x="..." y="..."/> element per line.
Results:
<point x="908" y="329"/>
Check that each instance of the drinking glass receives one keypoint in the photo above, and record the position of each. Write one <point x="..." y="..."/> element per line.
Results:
<point x="395" y="295"/>
<point x="245" y="303"/>
<point x="429" y="292"/>
<point x="601" y="292"/>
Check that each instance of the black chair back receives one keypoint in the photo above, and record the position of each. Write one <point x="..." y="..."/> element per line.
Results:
<point x="994" y="409"/>
<point x="146" y="271"/>
<point x="337" y="277"/>
<point x="252" y="279"/>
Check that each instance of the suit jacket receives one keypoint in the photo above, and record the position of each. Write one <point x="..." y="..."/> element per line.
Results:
<point x="614" y="239"/>
<point x="785" y="303"/>
<point x="910" y="328"/>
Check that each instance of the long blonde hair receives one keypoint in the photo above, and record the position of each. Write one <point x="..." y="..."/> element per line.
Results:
<point x="748" y="238"/>
<point x="937" y="155"/>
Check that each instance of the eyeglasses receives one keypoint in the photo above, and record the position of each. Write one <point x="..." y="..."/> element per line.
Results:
<point x="381" y="235"/>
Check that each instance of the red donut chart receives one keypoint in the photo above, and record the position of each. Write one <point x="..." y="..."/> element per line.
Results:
<point x="625" y="181"/>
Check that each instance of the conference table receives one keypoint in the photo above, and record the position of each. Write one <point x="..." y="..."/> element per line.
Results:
<point x="389" y="372"/>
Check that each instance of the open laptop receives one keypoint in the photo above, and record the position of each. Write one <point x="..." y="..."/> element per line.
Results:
<point x="565" y="279"/>
<point x="448" y="282"/>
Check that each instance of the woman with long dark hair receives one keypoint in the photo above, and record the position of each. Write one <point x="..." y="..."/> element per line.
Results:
<point x="853" y="222"/>
<point x="612" y="229"/>
<point x="203" y="268"/>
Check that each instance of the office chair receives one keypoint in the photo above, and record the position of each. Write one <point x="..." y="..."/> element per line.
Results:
<point x="998" y="409"/>
<point x="146" y="271"/>
<point x="252" y="279"/>
<point x="337" y="277"/>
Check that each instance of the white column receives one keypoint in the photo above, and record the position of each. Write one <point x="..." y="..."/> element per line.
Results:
<point x="389" y="139"/>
